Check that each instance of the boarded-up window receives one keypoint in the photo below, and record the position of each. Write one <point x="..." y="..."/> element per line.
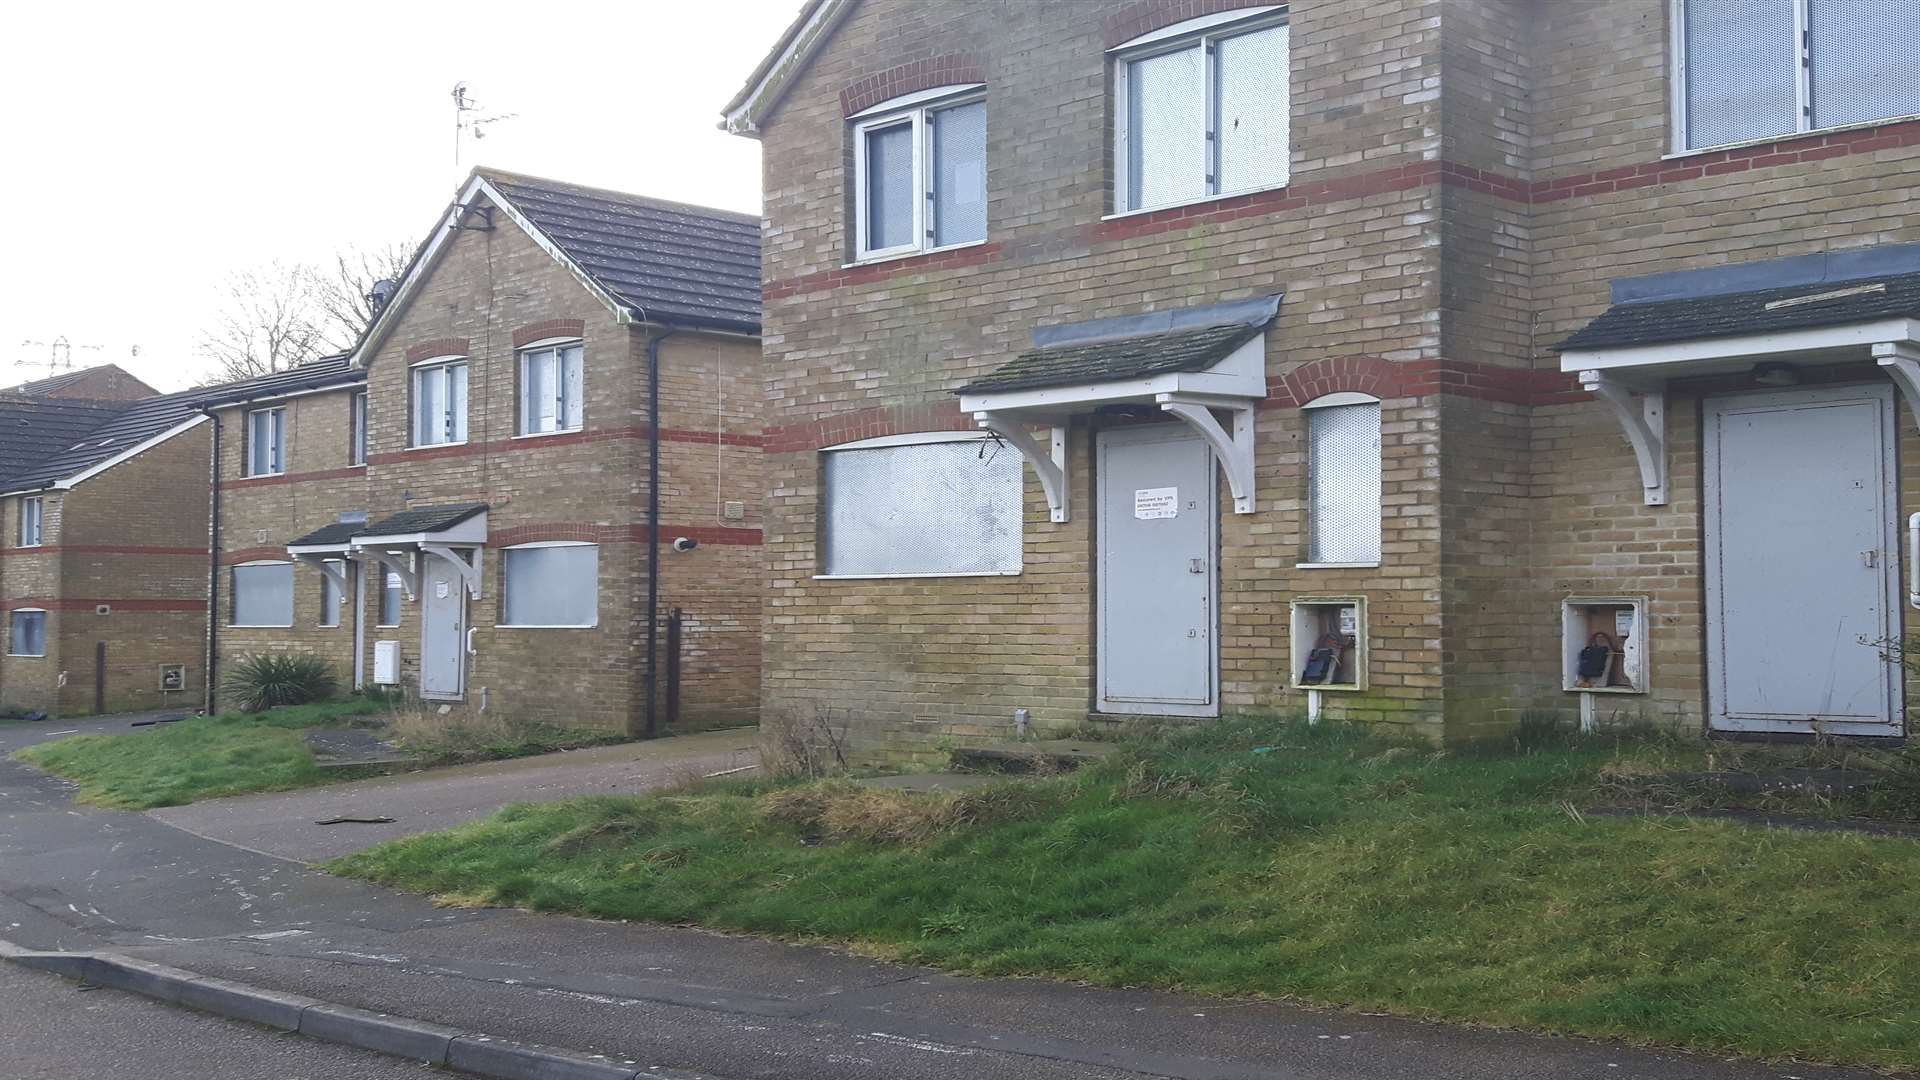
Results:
<point x="330" y="594"/>
<point x="1343" y="483"/>
<point x="948" y="508"/>
<point x="551" y="585"/>
<point x="263" y="594"/>
<point x="27" y="633"/>
<point x="393" y="593"/>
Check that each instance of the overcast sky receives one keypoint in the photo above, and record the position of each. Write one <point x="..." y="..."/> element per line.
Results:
<point x="153" y="148"/>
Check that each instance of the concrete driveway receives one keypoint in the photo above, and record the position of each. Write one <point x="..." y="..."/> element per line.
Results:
<point x="282" y="823"/>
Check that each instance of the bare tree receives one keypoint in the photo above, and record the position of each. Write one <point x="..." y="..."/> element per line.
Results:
<point x="344" y="293"/>
<point x="266" y="323"/>
<point x="281" y="315"/>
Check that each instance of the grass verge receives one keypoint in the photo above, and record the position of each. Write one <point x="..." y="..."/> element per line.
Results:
<point x="1257" y="857"/>
<point x="201" y="757"/>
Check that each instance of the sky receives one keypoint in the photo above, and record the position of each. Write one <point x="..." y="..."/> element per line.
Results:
<point x="156" y="148"/>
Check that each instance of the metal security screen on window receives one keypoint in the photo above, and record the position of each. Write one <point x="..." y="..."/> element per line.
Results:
<point x="440" y="405"/>
<point x="31" y="509"/>
<point x="357" y="436"/>
<point x="27" y="636"/>
<point x="921" y="174"/>
<point x="890" y="187"/>
<point x="263" y="595"/>
<point x="266" y="442"/>
<point x="550" y="389"/>
<point x="552" y="586"/>
<point x="1343" y="496"/>
<point x="392" y="594"/>
<point x="924" y="508"/>
<point x="1203" y="116"/>
<point x="330" y="595"/>
<point x="959" y="194"/>
<point x="1754" y="69"/>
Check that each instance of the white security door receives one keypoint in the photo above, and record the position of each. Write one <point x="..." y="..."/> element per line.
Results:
<point x="1802" y="561"/>
<point x="1157" y="537"/>
<point x="443" y="630"/>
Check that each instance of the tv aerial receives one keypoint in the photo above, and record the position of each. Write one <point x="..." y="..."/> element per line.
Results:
<point x="470" y="119"/>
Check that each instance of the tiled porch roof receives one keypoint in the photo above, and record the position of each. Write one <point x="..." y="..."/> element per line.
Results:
<point x="1110" y="361"/>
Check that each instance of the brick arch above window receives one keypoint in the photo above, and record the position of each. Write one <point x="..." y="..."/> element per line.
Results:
<point x="427" y="350"/>
<point x="950" y="69"/>
<point x="1371" y="375"/>
<point x="551" y="328"/>
<point x="1146" y="16"/>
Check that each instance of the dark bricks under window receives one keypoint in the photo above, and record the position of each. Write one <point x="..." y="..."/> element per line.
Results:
<point x="1146" y="16"/>
<point x="945" y="70"/>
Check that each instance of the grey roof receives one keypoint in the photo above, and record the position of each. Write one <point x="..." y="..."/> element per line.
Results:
<point x="334" y="535"/>
<point x="1759" y="311"/>
<point x="422" y="519"/>
<point x="53" y="384"/>
<point x="1110" y="361"/>
<point x="33" y="428"/>
<point x="135" y="422"/>
<point x="673" y="262"/>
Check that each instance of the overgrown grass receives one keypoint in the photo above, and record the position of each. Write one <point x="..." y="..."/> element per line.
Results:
<point x="1331" y="866"/>
<point x="199" y="757"/>
<point x="456" y="738"/>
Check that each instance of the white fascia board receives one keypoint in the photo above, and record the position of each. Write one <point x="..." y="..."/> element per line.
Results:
<point x="267" y="400"/>
<point x="130" y="452"/>
<point x="403" y="295"/>
<point x="744" y="118"/>
<point x="1855" y="335"/>
<point x="323" y="550"/>
<point x="1242" y="373"/>
<point x="471" y="531"/>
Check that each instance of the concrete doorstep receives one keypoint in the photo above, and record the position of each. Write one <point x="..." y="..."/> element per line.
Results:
<point x="415" y="1040"/>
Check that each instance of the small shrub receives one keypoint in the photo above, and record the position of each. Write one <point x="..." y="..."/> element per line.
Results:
<point x="793" y="744"/>
<point x="268" y="680"/>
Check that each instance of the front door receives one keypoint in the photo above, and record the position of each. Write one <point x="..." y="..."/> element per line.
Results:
<point x="1157" y="538"/>
<point x="443" y="630"/>
<point x="1802" y="561"/>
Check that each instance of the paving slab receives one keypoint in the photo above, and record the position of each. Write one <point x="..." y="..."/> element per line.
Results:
<point x="284" y="824"/>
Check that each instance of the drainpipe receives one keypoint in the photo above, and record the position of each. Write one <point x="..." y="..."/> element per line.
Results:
<point x="653" y="526"/>
<point x="213" y="565"/>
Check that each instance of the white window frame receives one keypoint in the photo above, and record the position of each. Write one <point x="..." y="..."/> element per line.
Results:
<point x="12" y="643"/>
<point x="1200" y="33"/>
<point x="504" y="625"/>
<point x="1803" y="86"/>
<point x="1328" y="401"/>
<point x="33" y="511"/>
<point x="914" y="439"/>
<point x="911" y="109"/>
<point x="357" y="443"/>
<point x="328" y="585"/>
<point x="438" y="366"/>
<point x="524" y="359"/>
<point x="276" y="444"/>
<point x="233" y="596"/>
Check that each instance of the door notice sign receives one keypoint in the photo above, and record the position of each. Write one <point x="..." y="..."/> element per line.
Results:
<point x="1151" y="503"/>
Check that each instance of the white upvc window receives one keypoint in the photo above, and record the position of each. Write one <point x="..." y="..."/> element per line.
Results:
<point x="552" y="387"/>
<point x="32" y="521"/>
<point x="935" y="504"/>
<point x="267" y="442"/>
<point x="27" y="632"/>
<point x="920" y="173"/>
<point x="1201" y="110"/>
<point x="357" y="429"/>
<point x="1750" y="70"/>
<point x="1343" y="480"/>
<point x="440" y="402"/>
<point x="550" y="585"/>
<point x="330" y="594"/>
<point x="263" y="594"/>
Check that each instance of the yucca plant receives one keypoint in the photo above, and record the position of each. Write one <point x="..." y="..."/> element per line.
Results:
<point x="265" y="680"/>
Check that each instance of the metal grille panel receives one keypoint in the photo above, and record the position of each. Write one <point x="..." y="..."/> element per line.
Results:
<point x="927" y="508"/>
<point x="1250" y="103"/>
<point x="1742" y="71"/>
<point x="1343" y="448"/>
<point x="1166" y="129"/>
<point x="960" y="174"/>
<point x="890" y="187"/>
<point x="1865" y="57"/>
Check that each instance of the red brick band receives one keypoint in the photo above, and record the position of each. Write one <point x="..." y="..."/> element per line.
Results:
<point x="547" y="329"/>
<point x="861" y="275"/>
<point x="571" y="438"/>
<point x="427" y="350"/>
<point x="106" y="549"/>
<point x="289" y="478"/>
<point x="255" y="554"/>
<point x="924" y="74"/>
<point x="89" y="604"/>
<point x="717" y="535"/>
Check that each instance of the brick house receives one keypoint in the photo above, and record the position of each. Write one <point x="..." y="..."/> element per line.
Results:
<point x="102" y="382"/>
<point x="1178" y="357"/>
<point x="461" y="505"/>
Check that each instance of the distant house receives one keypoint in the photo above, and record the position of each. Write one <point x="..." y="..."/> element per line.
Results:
<point x="104" y="382"/>
<point x="461" y="506"/>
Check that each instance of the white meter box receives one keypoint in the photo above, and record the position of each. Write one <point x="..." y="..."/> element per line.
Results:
<point x="1338" y="625"/>
<point x="1603" y="644"/>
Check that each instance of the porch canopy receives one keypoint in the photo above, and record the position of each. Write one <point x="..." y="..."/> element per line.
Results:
<point x="1770" y="319"/>
<point x="325" y="546"/>
<point x="457" y="533"/>
<point x="1190" y="363"/>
